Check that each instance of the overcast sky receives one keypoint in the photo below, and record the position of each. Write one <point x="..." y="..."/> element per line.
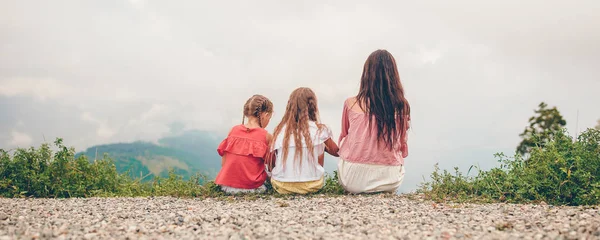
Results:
<point x="96" y="72"/>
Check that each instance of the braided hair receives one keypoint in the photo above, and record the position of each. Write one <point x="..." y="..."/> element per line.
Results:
<point x="256" y="105"/>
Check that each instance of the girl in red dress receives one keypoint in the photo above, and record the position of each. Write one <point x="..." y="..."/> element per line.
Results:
<point x="245" y="148"/>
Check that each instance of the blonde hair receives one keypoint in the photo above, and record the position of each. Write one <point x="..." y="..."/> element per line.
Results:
<point x="301" y="108"/>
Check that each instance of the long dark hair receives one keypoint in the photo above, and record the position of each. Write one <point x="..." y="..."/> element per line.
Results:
<point x="381" y="96"/>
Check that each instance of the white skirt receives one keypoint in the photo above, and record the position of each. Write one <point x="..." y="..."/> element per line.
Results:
<point x="369" y="178"/>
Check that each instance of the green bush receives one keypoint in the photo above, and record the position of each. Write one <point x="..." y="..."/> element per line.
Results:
<point x="563" y="172"/>
<point x="40" y="173"/>
<point x="43" y="173"/>
<point x="332" y="185"/>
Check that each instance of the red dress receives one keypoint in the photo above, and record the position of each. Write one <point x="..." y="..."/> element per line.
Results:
<point x="244" y="150"/>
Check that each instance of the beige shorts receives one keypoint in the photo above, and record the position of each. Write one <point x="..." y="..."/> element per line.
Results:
<point x="297" y="187"/>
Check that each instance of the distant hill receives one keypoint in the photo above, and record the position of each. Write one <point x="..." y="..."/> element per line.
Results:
<point x="188" y="153"/>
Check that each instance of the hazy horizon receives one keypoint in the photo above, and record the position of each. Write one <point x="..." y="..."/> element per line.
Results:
<point x="98" y="72"/>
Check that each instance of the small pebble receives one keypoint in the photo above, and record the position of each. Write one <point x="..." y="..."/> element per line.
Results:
<point x="315" y="217"/>
<point x="89" y="236"/>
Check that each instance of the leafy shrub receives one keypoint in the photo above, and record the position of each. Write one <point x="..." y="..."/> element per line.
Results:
<point x="42" y="173"/>
<point x="563" y="172"/>
<point x="37" y="173"/>
<point x="332" y="185"/>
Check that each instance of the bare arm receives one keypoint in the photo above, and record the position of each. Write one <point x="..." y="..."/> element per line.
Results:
<point x="270" y="157"/>
<point x="322" y="160"/>
<point x="404" y="140"/>
<point x="345" y="123"/>
<point x="331" y="148"/>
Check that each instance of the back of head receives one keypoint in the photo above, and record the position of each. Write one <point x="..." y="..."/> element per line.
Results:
<point x="256" y="105"/>
<point x="301" y="108"/>
<point x="381" y="96"/>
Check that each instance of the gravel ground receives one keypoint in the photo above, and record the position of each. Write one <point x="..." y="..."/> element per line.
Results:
<point x="347" y="217"/>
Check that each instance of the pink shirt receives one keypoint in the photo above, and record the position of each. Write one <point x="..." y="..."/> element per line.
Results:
<point x="358" y="142"/>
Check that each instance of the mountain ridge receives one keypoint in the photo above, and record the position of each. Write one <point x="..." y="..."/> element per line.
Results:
<point x="187" y="153"/>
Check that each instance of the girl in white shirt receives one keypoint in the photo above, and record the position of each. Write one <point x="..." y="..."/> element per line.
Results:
<point x="298" y="146"/>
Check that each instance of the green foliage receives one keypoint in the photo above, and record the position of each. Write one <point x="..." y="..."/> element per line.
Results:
<point x="542" y="125"/>
<point x="332" y="185"/>
<point x="38" y="173"/>
<point x="42" y="173"/>
<point x="563" y="172"/>
<point x="63" y="174"/>
<point x="174" y="185"/>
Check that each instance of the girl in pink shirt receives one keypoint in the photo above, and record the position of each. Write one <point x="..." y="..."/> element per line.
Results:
<point x="373" y="142"/>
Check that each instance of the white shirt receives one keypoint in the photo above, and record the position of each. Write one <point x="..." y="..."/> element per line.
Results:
<point x="308" y="170"/>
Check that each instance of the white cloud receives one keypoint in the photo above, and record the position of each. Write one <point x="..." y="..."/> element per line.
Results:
<point x="154" y="111"/>
<point x="137" y="3"/>
<point x="123" y="94"/>
<point x="40" y="88"/>
<point x="86" y="116"/>
<point x="103" y="130"/>
<point x="430" y="56"/>
<point x="208" y="53"/>
<point x="20" y="139"/>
